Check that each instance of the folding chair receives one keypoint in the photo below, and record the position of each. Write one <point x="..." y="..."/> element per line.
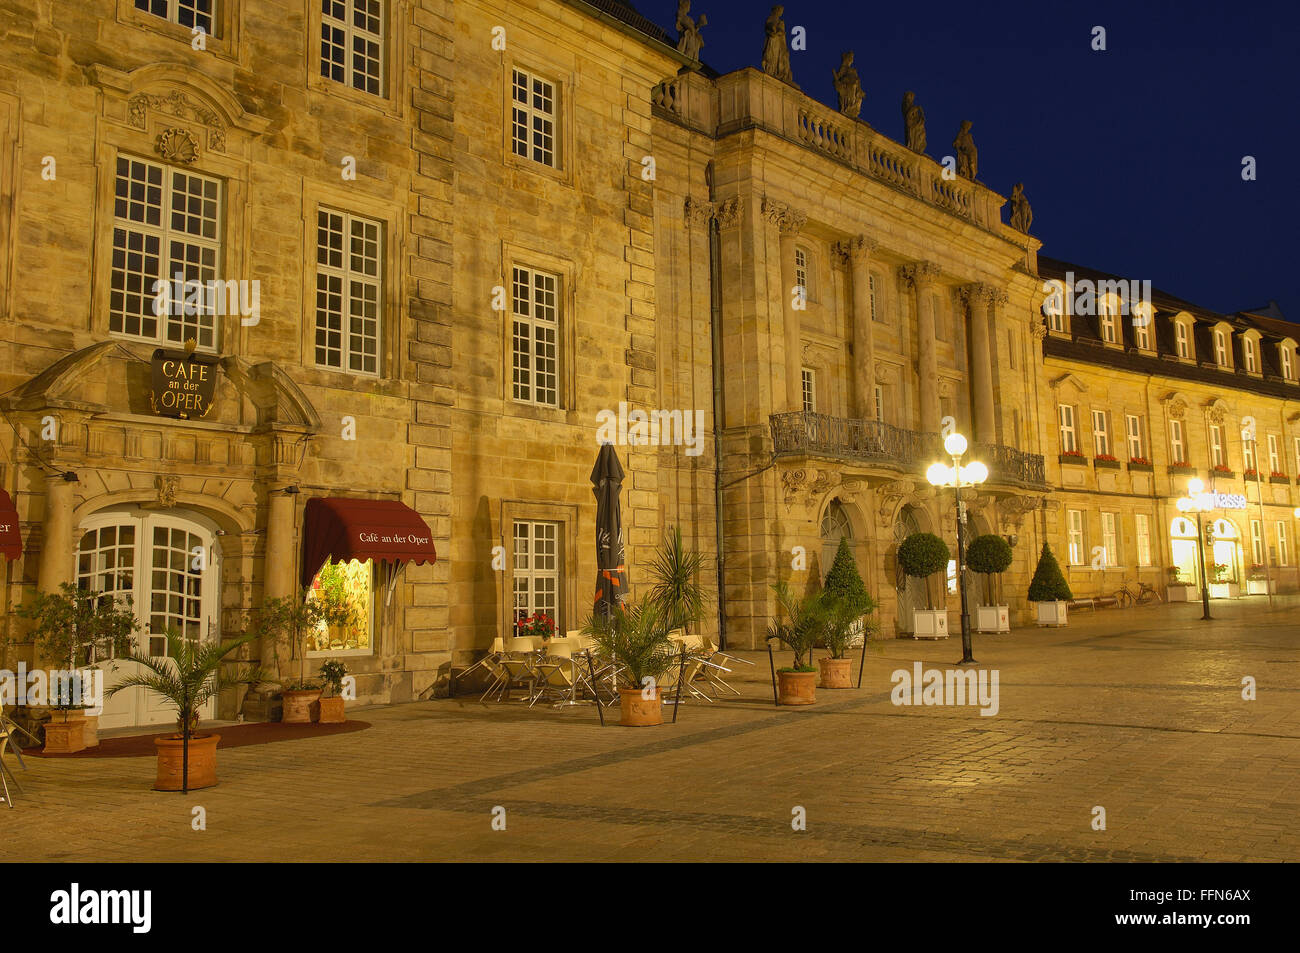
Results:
<point x="7" y="730"/>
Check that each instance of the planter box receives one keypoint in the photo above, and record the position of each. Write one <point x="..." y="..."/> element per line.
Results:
<point x="1225" y="474"/>
<point x="1182" y="471"/>
<point x="1182" y="593"/>
<point x="1260" y="587"/>
<point x="1140" y="467"/>
<point x="929" y="623"/>
<point x="1105" y="464"/>
<point x="1078" y="460"/>
<point x="1224" y="590"/>
<point x="992" y="619"/>
<point x="1052" y="613"/>
<point x="1282" y="481"/>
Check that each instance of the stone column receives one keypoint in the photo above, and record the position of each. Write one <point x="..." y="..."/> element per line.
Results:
<point x="788" y="221"/>
<point x="923" y="276"/>
<point x="980" y="298"/>
<point x="56" y="539"/>
<point x="859" y="251"/>
<point x="278" y="562"/>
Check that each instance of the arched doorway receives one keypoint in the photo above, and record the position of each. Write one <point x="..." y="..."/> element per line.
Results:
<point x="911" y="591"/>
<point x="835" y="526"/>
<point x="1183" y="551"/>
<point x="167" y="563"/>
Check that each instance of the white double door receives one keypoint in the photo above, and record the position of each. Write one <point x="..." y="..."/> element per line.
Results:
<point x="167" y="563"/>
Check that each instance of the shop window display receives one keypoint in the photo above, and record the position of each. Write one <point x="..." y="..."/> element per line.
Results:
<point x="350" y="583"/>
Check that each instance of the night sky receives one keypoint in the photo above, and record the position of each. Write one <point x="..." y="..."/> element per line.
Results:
<point x="1131" y="158"/>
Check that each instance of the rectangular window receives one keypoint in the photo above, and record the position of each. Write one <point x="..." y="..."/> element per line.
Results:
<point x="167" y="228"/>
<point x="880" y="403"/>
<point x="349" y="291"/>
<point x="1216" y="446"/>
<point x="1180" y="335"/>
<point x="534" y="118"/>
<point x="188" y="13"/>
<point x="537" y="570"/>
<point x="1110" y="538"/>
<point x="1100" y="433"/>
<point x="1108" y="327"/>
<point x="1074" y="524"/>
<point x="801" y="272"/>
<point x="1283" y="547"/>
<point x="535" y="337"/>
<point x="1176" y="454"/>
<point x="1143" y="539"/>
<point x="1248" y="454"/>
<point x="1141" y="337"/>
<point x="1136" y="443"/>
<point x="352" y="43"/>
<point x="1257" y="542"/>
<point x="809" y="385"/>
<point x="1221" y="348"/>
<point x="1065" y="420"/>
<point x="349" y="582"/>
<point x="1248" y="353"/>
<point x="1274" y="454"/>
<point x="1286" y="361"/>
<point x="871" y="291"/>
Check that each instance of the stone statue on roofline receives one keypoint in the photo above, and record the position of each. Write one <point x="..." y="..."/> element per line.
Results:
<point x="689" y="41"/>
<point x="913" y="123"/>
<point x="848" y="86"/>
<point x="967" y="155"/>
<point x="1022" y="216"/>
<point x="776" y="54"/>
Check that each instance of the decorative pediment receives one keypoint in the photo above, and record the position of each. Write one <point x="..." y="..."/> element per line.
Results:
<point x="1069" y="384"/>
<point x="1176" y="404"/>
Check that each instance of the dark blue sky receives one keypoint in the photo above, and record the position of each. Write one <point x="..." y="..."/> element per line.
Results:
<point x="1131" y="158"/>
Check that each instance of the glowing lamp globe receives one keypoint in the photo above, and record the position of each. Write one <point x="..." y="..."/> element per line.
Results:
<point x="937" y="474"/>
<point x="1183" y="504"/>
<point x="976" y="472"/>
<point x="1195" y="486"/>
<point x="955" y="444"/>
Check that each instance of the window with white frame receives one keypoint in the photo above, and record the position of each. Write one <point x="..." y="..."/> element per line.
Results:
<point x="1074" y="526"/>
<point x="809" y="390"/>
<point x="1217" y="457"/>
<point x="1248" y="455"/>
<point x="534" y="118"/>
<point x="880" y="403"/>
<point x="535" y="337"/>
<point x="801" y="274"/>
<point x="349" y="291"/>
<point x="1257" y="542"/>
<point x="538" y="570"/>
<point x="1142" y="316"/>
<point x="1182" y="340"/>
<point x="1176" y="453"/>
<point x="352" y="43"/>
<point x="1143" y="527"/>
<point x="1283" y="547"/>
<point x="166" y="254"/>
<point x="1248" y="354"/>
<point x="1285" y="353"/>
<point x="188" y="13"/>
<point x="1110" y="538"/>
<point x="1221" y="348"/>
<point x="1053" y="308"/>
<point x="1065" y="422"/>
<point x="1100" y="433"/>
<point x="1274" y="454"/>
<point x="876" y="314"/>
<point x="1136" y="437"/>
<point x="1108" y="323"/>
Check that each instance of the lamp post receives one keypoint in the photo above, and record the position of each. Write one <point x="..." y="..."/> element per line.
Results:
<point x="958" y="477"/>
<point x="1248" y="434"/>
<point x="1198" y="502"/>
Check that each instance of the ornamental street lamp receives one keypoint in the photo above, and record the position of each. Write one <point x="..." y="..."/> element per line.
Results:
<point x="959" y="477"/>
<point x="1248" y="436"/>
<point x="1198" y="501"/>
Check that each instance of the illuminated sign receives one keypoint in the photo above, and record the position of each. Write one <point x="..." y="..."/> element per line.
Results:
<point x="183" y="384"/>
<point x="1220" y="501"/>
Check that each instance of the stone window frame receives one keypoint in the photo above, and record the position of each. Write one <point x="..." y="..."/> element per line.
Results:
<point x="565" y="514"/>
<point x="392" y="329"/>
<point x="1143" y="440"/>
<point x="223" y="41"/>
<point x="1111" y="553"/>
<point x="1073" y="428"/>
<point x="1103" y="436"/>
<point x="524" y="256"/>
<point x="392" y="100"/>
<point x="565" y="83"/>
<point x="1069" y="538"/>
<point x="808" y="389"/>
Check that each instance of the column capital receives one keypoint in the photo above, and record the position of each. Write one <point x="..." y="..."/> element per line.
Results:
<point x="986" y="294"/>
<point x="727" y="213"/>
<point x="920" y="273"/>
<point x="698" y="213"/>
<point x="788" y="219"/>
<point x="857" y="249"/>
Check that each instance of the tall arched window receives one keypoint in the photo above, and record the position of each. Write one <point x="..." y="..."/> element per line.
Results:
<point x="835" y="525"/>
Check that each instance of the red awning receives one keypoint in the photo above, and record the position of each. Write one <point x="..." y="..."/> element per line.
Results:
<point x="342" y="529"/>
<point x="11" y="540"/>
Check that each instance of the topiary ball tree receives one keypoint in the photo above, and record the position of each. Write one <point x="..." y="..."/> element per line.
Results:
<point x="988" y="555"/>
<point x="1049" y="583"/>
<point x="921" y="555"/>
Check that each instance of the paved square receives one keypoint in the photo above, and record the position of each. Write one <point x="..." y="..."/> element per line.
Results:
<point x="1138" y="711"/>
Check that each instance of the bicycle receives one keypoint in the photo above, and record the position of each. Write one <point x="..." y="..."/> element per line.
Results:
<point x="1126" y="597"/>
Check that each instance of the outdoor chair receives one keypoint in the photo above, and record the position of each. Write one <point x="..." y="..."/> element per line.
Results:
<point x="559" y="649"/>
<point x="521" y="643"/>
<point x="8" y="729"/>
<point x="555" y="681"/>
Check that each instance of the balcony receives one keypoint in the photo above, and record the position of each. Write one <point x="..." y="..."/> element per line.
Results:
<point x="878" y="444"/>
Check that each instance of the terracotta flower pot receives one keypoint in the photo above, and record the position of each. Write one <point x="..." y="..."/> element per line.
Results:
<point x="331" y="710"/>
<point x="300" y="706"/>
<point x="836" y="672"/>
<point x="639" y="712"/>
<point x="796" y="688"/>
<point x="92" y="731"/>
<point x="65" y="737"/>
<point x="203" y="761"/>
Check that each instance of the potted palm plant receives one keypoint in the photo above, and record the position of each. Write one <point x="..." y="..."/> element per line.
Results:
<point x="805" y="623"/>
<point x="847" y="603"/>
<point x="332" y="673"/>
<point x="79" y="628"/>
<point x="186" y="679"/>
<point x="920" y="556"/>
<point x="676" y="591"/>
<point x="990" y="555"/>
<point x="1049" y="590"/>
<point x="635" y="637"/>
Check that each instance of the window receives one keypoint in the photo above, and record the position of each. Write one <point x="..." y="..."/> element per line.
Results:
<point x="1181" y="340"/>
<point x="880" y="403"/>
<point x="1100" y="433"/>
<point x="1109" y="538"/>
<point x="834" y="527"/>
<point x="1221" y="348"/>
<point x="1216" y="446"/>
<point x="1283" y="548"/>
<point x="1074" y="523"/>
<point x="349" y="291"/>
<point x="534" y="118"/>
<point x="1053" y="308"/>
<point x="537" y="570"/>
<point x="1248" y="353"/>
<point x="1065" y="420"/>
<point x="188" y="13"/>
<point x="1248" y="454"/>
<point x="809" y="390"/>
<point x="350" y="582"/>
<point x="1142" y="312"/>
<point x="871" y="293"/>
<point x="1143" y="539"/>
<point x="1257" y="542"/>
<point x="352" y="43"/>
<point x="535" y="337"/>
<point x="801" y="274"/>
<point x="1108" y="323"/>
<point x="1136" y="445"/>
<point x="1274" y="454"/>
<point x="166" y="254"/>
<point x="1285" y="353"/>
<point x="1176" y="454"/>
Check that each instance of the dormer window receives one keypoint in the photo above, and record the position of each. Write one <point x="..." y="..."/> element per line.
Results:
<point x="1284" y="355"/>
<point x="1142" y="316"/>
<point x="1248" y="355"/>
<point x="1182" y="341"/>
<point x="1221" y="348"/>
<point x="1108" y="326"/>
<point x="1053" y="308"/>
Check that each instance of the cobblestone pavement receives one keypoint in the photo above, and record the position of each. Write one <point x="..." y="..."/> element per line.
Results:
<point x="1138" y="711"/>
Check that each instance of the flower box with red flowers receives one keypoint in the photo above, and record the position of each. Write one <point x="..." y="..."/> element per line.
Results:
<point x="1222" y="469"/>
<point x="1106" y="461"/>
<point x="1276" y="477"/>
<point x="1140" y="463"/>
<point x="1074" y="457"/>
<point x="538" y="626"/>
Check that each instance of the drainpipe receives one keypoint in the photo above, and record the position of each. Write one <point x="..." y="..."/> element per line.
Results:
<point x="715" y="332"/>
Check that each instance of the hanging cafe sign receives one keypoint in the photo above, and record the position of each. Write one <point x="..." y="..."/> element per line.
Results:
<point x="184" y="384"/>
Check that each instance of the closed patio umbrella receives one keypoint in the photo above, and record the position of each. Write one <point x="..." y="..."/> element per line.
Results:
<point x="607" y="485"/>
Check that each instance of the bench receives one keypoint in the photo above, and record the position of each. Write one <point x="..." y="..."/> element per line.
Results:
<point x="1094" y="602"/>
